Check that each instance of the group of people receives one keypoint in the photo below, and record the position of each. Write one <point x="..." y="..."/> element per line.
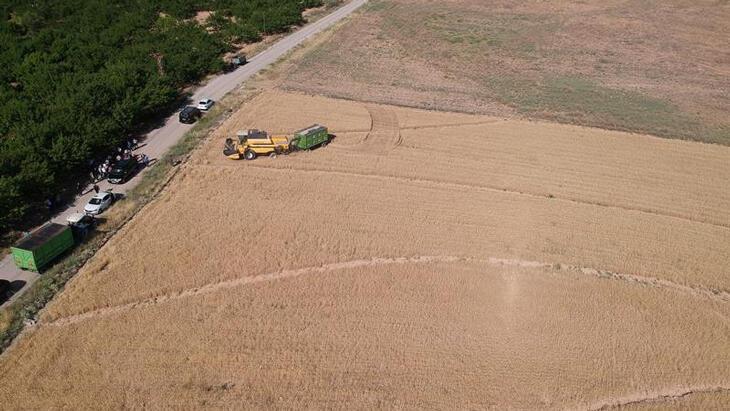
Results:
<point x="101" y="171"/>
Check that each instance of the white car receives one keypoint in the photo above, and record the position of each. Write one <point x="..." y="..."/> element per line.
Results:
<point x="98" y="203"/>
<point x="205" y="104"/>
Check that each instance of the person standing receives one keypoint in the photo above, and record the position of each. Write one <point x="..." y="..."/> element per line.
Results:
<point x="96" y="189"/>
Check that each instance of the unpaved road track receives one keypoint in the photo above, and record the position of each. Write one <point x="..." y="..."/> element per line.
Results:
<point x="158" y="141"/>
<point x="481" y="263"/>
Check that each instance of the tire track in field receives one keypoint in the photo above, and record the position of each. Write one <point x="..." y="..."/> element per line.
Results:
<point x="277" y="275"/>
<point x="656" y="397"/>
<point x="697" y="291"/>
<point x="454" y="125"/>
<point x="575" y="200"/>
<point x="706" y="293"/>
<point x="384" y="132"/>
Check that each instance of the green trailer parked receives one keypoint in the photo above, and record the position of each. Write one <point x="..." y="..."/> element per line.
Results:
<point x="312" y="136"/>
<point x="41" y="246"/>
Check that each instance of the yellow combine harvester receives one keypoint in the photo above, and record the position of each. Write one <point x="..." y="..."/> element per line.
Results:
<point x="254" y="143"/>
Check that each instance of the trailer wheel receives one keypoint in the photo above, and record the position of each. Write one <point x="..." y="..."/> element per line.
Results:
<point x="324" y="143"/>
<point x="249" y="155"/>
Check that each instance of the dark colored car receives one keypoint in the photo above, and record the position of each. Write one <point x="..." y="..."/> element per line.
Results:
<point x="190" y="114"/>
<point x="236" y="62"/>
<point x="122" y="170"/>
<point x="6" y="290"/>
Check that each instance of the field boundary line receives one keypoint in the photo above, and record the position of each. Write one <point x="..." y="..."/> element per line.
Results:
<point x="485" y="188"/>
<point x="366" y="130"/>
<point x="710" y="294"/>
<point x="662" y="396"/>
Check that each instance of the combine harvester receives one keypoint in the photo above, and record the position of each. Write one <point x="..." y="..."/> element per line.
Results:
<point x="254" y="143"/>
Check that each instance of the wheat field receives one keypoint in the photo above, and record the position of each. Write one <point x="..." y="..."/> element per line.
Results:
<point x="421" y="260"/>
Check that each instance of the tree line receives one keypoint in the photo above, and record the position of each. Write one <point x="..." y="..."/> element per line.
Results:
<point x="80" y="77"/>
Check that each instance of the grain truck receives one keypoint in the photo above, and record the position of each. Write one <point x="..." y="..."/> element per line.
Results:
<point x="40" y="247"/>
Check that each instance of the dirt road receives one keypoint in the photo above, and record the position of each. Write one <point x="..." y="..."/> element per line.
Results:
<point x="160" y="140"/>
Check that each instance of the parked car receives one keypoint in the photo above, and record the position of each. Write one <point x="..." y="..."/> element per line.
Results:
<point x="239" y="60"/>
<point x="205" y="104"/>
<point x="98" y="203"/>
<point x="190" y="114"/>
<point x="122" y="170"/>
<point x="235" y="62"/>
<point x="81" y="224"/>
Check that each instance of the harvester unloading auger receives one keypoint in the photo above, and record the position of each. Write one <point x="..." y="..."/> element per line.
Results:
<point x="254" y="143"/>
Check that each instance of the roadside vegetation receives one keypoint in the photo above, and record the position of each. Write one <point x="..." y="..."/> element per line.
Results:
<point x="14" y="317"/>
<point x="79" y="78"/>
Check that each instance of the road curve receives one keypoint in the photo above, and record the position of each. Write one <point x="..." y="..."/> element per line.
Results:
<point x="158" y="141"/>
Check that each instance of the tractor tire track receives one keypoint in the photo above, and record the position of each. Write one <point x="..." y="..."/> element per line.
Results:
<point x="384" y="134"/>
<point x="451" y="125"/>
<point x="697" y="291"/>
<point x="277" y="275"/>
<point x="574" y="200"/>
<point x="657" y="397"/>
<point x="716" y="295"/>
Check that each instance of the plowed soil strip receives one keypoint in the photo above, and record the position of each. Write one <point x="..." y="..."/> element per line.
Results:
<point x="644" y="210"/>
<point x="380" y="261"/>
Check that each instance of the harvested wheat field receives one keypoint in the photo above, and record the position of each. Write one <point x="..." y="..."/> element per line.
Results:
<point x="421" y="260"/>
<point x="660" y="67"/>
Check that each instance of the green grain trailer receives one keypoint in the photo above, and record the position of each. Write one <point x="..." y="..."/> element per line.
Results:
<point x="311" y="136"/>
<point x="42" y="245"/>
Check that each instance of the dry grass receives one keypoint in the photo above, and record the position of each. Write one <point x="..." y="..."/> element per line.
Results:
<point x="551" y="267"/>
<point x="658" y="67"/>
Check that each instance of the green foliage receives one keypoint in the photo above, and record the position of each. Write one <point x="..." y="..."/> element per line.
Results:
<point x="29" y="304"/>
<point x="79" y="77"/>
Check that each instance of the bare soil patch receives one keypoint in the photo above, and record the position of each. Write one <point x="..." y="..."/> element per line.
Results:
<point x="652" y="67"/>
